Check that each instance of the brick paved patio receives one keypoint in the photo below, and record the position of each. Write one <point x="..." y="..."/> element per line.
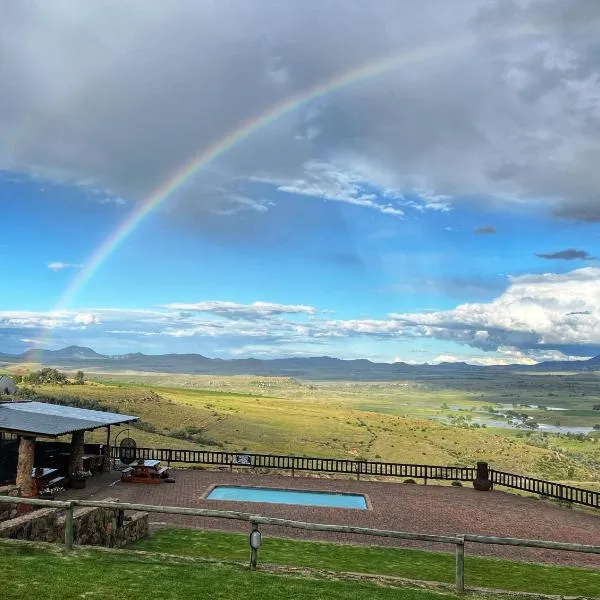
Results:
<point x="402" y="507"/>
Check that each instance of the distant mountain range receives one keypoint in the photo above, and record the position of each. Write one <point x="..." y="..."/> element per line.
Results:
<point x="319" y="367"/>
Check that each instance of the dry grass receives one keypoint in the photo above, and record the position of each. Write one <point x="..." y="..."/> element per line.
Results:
<point x="279" y="415"/>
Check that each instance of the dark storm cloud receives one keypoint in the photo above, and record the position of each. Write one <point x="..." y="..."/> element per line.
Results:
<point x="471" y="287"/>
<point x="485" y="230"/>
<point x="568" y="254"/>
<point x="494" y="100"/>
<point x="580" y="212"/>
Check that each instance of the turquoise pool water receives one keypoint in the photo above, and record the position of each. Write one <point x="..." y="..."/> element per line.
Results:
<point x="277" y="496"/>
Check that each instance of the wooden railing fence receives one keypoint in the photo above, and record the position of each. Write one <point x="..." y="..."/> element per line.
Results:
<point x="549" y="489"/>
<point x="257" y="520"/>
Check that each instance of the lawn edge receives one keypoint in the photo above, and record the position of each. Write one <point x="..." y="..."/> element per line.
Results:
<point x="298" y="572"/>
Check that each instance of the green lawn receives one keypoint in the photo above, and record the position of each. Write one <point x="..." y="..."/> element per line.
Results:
<point x="412" y="564"/>
<point x="29" y="573"/>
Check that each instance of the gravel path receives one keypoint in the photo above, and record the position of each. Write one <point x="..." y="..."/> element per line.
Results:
<point x="401" y="507"/>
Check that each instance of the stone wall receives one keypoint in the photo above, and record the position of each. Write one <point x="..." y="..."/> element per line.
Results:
<point x="101" y="527"/>
<point x="91" y="526"/>
<point x="9" y="511"/>
<point x="39" y="525"/>
<point x="135" y="527"/>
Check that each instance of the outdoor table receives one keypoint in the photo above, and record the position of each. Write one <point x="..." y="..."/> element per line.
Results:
<point x="147" y="471"/>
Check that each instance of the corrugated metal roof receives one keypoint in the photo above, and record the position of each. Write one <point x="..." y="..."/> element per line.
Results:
<point x="53" y="419"/>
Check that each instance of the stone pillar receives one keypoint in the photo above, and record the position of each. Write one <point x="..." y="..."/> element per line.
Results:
<point x="76" y="458"/>
<point x="106" y="463"/>
<point x="25" y="466"/>
<point x="482" y="482"/>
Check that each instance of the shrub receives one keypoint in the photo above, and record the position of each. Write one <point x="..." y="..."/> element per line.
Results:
<point x="145" y="426"/>
<point x="456" y="484"/>
<point x="46" y="375"/>
<point x="410" y="481"/>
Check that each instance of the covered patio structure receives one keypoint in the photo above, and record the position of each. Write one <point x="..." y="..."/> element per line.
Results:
<point x="25" y="421"/>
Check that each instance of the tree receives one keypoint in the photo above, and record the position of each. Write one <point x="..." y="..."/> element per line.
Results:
<point x="46" y="375"/>
<point x="79" y="378"/>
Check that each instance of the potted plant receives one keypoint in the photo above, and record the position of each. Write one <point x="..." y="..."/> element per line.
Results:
<point x="77" y="480"/>
<point x="48" y="493"/>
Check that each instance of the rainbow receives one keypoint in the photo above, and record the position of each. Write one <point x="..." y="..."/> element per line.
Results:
<point x="179" y="177"/>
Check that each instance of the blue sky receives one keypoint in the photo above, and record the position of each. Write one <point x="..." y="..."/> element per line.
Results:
<point x="447" y="211"/>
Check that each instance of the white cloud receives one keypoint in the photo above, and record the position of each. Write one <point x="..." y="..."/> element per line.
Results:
<point x="483" y="361"/>
<point x="256" y="310"/>
<point x="408" y="361"/>
<point x="335" y="183"/>
<point x="87" y="319"/>
<point x="534" y="311"/>
<point x="507" y="355"/>
<point x="428" y="200"/>
<point x="113" y="200"/>
<point x="59" y="266"/>
<point x="538" y="317"/>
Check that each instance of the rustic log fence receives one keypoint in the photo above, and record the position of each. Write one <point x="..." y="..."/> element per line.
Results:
<point x="482" y="472"/>
<point x="256" y="520"/>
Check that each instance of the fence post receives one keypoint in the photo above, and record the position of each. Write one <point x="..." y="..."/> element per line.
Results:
<point x="255" y="540"/>
<point x="69" y="528"/>
<point x="460" y="565"/>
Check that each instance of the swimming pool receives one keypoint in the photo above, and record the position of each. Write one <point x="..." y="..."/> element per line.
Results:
<point x="280" y="496"/>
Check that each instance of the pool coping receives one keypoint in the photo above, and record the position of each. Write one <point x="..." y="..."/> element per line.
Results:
<point x="210" y="489"/>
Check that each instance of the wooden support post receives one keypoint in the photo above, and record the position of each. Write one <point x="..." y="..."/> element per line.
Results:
<point x="460" y="566"/>
<point x="69" y="528"/>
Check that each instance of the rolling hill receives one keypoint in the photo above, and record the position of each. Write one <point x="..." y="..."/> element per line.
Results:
<point x="316" y="368"/>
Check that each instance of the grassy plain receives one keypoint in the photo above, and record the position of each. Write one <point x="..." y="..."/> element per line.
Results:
<point x="396" y="562"/>
<point x="403" y="421"/>
<point x="30" y="573"/>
